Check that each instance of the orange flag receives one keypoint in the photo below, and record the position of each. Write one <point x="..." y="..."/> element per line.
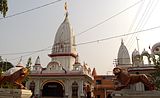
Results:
<point x="65" y="6"/>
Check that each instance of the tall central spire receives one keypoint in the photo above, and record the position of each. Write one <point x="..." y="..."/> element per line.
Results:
<point x="64" y="49"/>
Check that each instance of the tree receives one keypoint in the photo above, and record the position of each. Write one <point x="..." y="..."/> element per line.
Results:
<point x="3" y="7"/>
<point x="156" y="76"/>
<point x="5" y="65"/>
<point x="28" y="65"/>
<point x="156" y="73"/>
<point x="29" y="62"/>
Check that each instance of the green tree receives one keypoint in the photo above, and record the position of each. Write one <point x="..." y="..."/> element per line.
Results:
<point x="4" y="65"/>
<point x="3" y="7"/>
<point x="28" y="65"/>
<point x="29" y="62"/>
<point x="156" y="73"/>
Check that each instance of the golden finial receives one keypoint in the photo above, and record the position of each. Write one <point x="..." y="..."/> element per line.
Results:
<point x="65" y="6"/>
<point x="66" y="9"/>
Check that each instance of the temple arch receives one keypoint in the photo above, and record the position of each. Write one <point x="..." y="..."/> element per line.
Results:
<point x="53" y="89"/>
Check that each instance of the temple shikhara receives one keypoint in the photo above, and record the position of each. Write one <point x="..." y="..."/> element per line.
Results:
<point x="64" y="75"/>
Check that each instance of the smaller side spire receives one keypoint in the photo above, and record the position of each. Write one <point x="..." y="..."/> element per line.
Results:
<point x="77" y="59"/>
<point x="94" y="73"/>
<point x="37" y="68"/>
<point x="20" y="64"/>
<point x="122" y="43"/>
<point x="37" y="62"/>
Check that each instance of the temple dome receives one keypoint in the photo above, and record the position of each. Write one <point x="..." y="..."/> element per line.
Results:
<point x="156" y="48"/>
<point x="123" y="55"/>
<point x="135" y="53"/>
<point x="64" y="48"/>
<point x="144" y="52"/>
<point x="65" y="39"/>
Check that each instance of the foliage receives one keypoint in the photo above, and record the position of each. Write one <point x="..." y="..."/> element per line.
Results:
<point x="156" y="73"/>
<point x="29" y="62"/>
<point x="5" y="66"/>
<point x="28" y="65"/>
<point x="3" y="7"/>
<point x="156" y="76"/>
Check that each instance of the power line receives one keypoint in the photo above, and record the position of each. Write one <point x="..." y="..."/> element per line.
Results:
<point x="31" y="9"/>
<point x="31" y="53"/>
<point x="89" y="42"/>
<point x="45" y="49"/>
<point x="134" y="20"/>
<point x="108" y="38"/>
<point x="75" y="35"/>
<point x="109" y="18"/>
<point x="106" y="20"/>
<point x="141" y="22"/>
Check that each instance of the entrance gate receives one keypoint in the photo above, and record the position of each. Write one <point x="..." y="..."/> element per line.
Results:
<point x="52" y="89"/>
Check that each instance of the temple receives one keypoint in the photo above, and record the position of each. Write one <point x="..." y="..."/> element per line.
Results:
<point x="142" y="63"/>
<point x="64" y="76"/>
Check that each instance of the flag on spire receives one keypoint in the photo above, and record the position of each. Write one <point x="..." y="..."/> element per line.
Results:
<point x="65" y="6"/>
<point x="66" y="9"/>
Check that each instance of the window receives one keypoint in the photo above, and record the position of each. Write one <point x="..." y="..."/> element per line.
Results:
<point x="98" y="96"/>
<point x="74" y="89"/>
<point x="32" y="87"/>
<point x="98" y="81"/>
<point x="104" y="77"/>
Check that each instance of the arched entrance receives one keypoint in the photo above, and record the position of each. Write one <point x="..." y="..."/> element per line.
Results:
<point x="53" y="89"/>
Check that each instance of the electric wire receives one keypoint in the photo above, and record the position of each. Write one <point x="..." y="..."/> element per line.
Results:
<point x="134" y="21"/>
<point x="104" y="39"/>
<point x="141" y="23"/>
<point x="108" y="38"/>
<point x="23" y="12"/>
<point x="131" y="41"/>
<point x="135" y="18"/>
<point x="109" y="18"/>
<point x="78" y="33"/>
<point x="92" y="27"/>
<point x="151" y="11"/>
<point x="24" y="52"/>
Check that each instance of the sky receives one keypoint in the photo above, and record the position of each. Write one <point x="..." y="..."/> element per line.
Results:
<point x="35" y="30"/>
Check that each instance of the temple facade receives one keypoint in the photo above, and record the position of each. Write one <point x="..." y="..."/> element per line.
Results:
<point x="64" y="76"/>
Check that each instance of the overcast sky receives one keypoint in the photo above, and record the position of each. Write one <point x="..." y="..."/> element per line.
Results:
<point x="35" y="30"/>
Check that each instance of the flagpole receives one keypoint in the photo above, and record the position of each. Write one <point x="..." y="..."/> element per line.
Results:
<point x="137" y="44"/>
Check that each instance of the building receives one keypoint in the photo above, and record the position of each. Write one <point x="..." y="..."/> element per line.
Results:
<point x="142" y="63"/>
<point x="64" y="76"/>
<point x="103" y="85"/>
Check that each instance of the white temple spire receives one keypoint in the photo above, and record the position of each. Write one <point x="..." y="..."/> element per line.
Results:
<point x="123" y="55"/>
<point x="64" y="49"/>
<point x="37" y="62"/>
<point x="20" y="64"/>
